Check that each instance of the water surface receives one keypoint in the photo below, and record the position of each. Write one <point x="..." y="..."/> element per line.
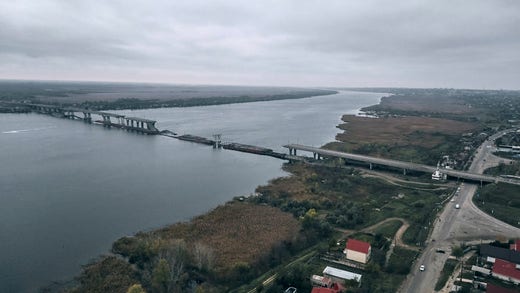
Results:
<point x="69" y="189"/>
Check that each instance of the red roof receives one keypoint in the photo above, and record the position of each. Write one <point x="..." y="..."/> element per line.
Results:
<point x="515" y="246"/>
<point x="506" y="268"/>
<point x="490" y="288"/>
<point x="323" y="290"/>
<point x="359" y="246"/>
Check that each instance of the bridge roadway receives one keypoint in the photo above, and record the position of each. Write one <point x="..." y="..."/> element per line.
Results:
<point x="398" y="164"/>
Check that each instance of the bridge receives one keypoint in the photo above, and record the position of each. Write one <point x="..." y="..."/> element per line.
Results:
<point x="107" y="119"/>
<point x="405" y="166"/>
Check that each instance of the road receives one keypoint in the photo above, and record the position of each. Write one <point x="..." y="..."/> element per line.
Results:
<point x="469" y="175"/>
<point x="454" y="226"/>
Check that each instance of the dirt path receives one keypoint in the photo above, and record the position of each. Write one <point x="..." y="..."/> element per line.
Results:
<point x="394" y="181"/>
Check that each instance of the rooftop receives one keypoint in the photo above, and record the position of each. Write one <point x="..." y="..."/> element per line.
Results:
<point x="499" y="252"/>
<point x="356" y="245"/>
<point x="506" y="268"/>
<point x="345" y="275"/>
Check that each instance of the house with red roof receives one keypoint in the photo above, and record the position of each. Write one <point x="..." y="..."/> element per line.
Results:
<point x="515" y="246"/>
<point x="507" y="271"/>
<point x="357" y="250"/>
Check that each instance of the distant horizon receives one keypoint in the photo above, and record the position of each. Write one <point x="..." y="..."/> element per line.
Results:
<point x="247" y="85"/>
<point x="288" y="43"/>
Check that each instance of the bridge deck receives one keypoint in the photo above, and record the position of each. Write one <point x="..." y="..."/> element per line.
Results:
<point x="398" y="164"/>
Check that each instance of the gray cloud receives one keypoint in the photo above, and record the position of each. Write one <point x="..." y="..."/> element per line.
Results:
<point x="334" y="43"/>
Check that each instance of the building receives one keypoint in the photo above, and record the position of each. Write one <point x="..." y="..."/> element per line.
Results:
<point x="506" y="271"/>
<point x="357" y="250"/>
<point x="340" y="276"/>
<point x="515" y="246"/>
<point x="494" y="252"/>
<point x="320" y="281"/>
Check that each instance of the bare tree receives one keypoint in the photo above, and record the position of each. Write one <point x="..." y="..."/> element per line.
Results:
<point x="204" y="256"/>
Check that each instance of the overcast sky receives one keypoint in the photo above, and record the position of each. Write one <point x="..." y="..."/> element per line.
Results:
<point x="406" y="43"/>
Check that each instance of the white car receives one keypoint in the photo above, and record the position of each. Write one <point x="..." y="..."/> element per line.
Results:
<point x="457" y="206"/>
<point x="421" y="268"/>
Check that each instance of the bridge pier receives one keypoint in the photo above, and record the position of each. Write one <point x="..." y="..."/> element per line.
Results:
<point x="87" y="117"/>
<point x="371" y="166"/>
<point x="404" y="171"/>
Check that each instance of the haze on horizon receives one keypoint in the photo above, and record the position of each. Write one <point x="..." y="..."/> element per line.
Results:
<point x="409" y="43"/>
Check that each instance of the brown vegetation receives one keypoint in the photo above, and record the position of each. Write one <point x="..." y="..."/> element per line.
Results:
<point x="420" y="131"/>
<point x="426" y="103"/>
<point x="237" y="232"/>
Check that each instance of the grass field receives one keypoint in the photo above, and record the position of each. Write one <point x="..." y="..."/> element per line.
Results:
<point x="418" y="139"/>
<point x="502" y="201"/>
<point x="447" y="271"/>
<point x="237" y="232"/>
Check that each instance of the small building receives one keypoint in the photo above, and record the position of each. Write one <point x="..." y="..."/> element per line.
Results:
<point x="506" y="271"/>
<point x="515" y="246"/>
<point x="320" y="281"/>
<point x="340" y="276"/>
<point x="357" y="250"/>
<point x="491" y="251"/>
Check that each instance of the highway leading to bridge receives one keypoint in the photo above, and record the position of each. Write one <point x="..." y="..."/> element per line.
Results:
<point x="405" y="166"/>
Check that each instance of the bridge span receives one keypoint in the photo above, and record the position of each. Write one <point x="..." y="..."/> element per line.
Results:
<point x="107" y="119"/>
<point x="318" y="152"/>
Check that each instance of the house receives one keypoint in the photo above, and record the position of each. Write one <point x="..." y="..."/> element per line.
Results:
<point x="357" y="250"/>
<point x="494" y="252"/>
<point x="340" y="276"/>
<point x="506" y="271"/>
<point x="515" y="246"/>
<point x="320" y="281"/>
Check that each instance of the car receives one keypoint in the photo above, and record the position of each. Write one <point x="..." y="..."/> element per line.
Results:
<point x="291" y="290"/>
<point x="457" y="206"/>
<point x="421" y="268"/>
<point x="440" y="251"/>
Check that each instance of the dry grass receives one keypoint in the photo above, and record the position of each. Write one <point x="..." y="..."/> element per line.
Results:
<point x="237" y="232"/>
<point x="419" y="131"/>
<point x="425" y="104"/>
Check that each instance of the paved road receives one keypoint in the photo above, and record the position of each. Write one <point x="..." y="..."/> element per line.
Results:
<point x="469" y="175"/>
<point x="454" y="226"/>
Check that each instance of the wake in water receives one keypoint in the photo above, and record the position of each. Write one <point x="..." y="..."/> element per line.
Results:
<point x="27" y="130"/>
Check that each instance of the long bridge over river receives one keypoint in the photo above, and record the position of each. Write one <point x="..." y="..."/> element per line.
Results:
<point x="148" y="126"/>
<point x="405" y="166"/>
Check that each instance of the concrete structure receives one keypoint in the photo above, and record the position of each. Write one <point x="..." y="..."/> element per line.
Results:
<point x="340" y="276"/>
<point x="108" y="119"/>
<point x="321" y="281"/>
<point x="405" y="166"/>
<point x="357" y="250"/>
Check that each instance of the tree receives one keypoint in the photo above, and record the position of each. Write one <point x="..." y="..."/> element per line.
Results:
<point x="136" y="288"/>
<point x="204" y="256"/>
<point x="161" y="276"/>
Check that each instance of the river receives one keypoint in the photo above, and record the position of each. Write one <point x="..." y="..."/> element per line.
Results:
<point x="69" y="189"/>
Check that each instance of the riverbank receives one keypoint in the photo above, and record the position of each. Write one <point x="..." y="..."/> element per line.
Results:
<point x="132" y="96"/>
<point x="322" y="198"/>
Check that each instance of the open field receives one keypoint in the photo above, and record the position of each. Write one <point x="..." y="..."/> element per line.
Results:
<point x="344" y="199"/>
<point x="502" y="201"/>
<point x="104" y="96"/>
<point x="237" y="232"/>
<point x="411" y="138"/>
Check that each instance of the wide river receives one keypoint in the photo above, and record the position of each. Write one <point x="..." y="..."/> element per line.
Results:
<point x="69" y="189"/>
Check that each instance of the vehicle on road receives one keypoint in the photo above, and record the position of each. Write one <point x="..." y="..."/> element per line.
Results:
<point x="440" y="251"/>
<point x="457" y="206"/>
<point x="421" y="268"/>
<point x="290" y="290"/>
